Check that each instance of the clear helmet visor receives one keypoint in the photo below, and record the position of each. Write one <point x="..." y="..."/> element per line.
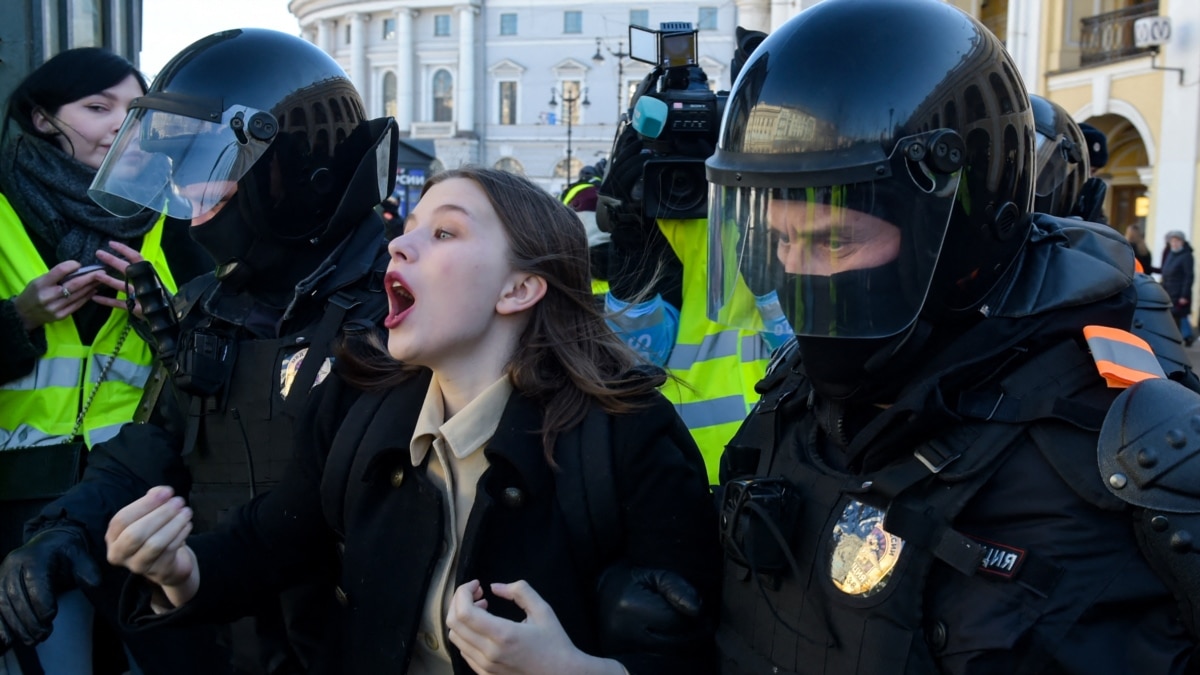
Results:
<point x="1052" y="162"/>
<point x="179" y="164"/>
<point x="852" y="260"/>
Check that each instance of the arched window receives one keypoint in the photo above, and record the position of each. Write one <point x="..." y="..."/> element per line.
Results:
<point x="443" y="96"/>
<point x="389" y="94"/>
<point x="560" y="168"/>
<point x="510" y="165"/>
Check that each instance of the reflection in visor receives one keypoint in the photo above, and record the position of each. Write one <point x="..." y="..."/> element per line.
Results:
<point x="159" y="158"/>
<point x="1052" y="164"/>
<point x="849" y="260"/>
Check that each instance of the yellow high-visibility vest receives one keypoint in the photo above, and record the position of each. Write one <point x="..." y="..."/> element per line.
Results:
<point x="716" y="366"/>
<point x="576" y="189"/>
<point x="41" y="408"/>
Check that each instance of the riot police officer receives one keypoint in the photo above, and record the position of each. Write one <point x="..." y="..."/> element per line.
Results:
<point x="917" y="489"/>
<point x="260" y="139"/>
<point x="1065" y="187"/>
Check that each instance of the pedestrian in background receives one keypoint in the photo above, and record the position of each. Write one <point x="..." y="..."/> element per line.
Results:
<point x="1141" y="252"/>
<point x="1178" y="274"/>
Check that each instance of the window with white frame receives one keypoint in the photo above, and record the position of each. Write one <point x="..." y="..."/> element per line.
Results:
<point x="707" y="20"/>
<point x="443" y="96"/>
<point x="389" y="29"/>
<point x="573" y="21"/>
<point x="441" y="25"/>
<point x="508" y="24"/>
<point x="508" y="102"/>
<point x="571" y="101"/>
<point x="389" y="94"/>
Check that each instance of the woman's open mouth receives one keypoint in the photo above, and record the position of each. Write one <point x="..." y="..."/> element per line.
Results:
<point x="400" y="301"/>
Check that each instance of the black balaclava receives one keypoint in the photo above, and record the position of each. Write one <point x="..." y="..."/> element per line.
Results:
<point x="249" y="259"/>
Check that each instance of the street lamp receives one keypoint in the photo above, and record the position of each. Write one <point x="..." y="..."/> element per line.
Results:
<point x="570" y="106"/>
<point x="619" y="55"/>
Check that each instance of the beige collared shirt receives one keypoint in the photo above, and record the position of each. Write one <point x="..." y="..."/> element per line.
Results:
<point x="456" y="466"/>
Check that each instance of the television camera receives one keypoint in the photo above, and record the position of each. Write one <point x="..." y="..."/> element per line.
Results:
<point x="671" y="131"/>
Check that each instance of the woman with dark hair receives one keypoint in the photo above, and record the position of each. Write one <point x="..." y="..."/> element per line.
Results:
<point x="73" y="371"/>
<point x="441" y="468"/>
<point x="1141" y="252"/>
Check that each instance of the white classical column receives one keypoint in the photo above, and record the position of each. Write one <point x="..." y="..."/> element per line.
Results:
<point x="358" y="55"/>
<point x="1023" y="41"/>
<point x="754" y="14"/>
<point x="464" y="101"/>
<point x="325" y="35"/>
<point x="406" y="84"/>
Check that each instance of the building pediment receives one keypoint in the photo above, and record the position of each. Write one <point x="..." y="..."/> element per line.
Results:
<point x="506" y="68"/>
<point x="568" y="67"/>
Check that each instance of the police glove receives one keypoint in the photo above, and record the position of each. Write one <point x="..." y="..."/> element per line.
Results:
<point x="646" y="609"/>
<point x="32" y="576"/>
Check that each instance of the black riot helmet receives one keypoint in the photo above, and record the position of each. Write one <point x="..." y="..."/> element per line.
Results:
<point x="265" y="111"/>
<point x="1061" y="159"/>
<point x="874" y="167"/>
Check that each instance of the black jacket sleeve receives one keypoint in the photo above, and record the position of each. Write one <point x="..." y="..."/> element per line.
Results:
<point x="120" y="471"/>
<point x="273" y="542"/>
<point x="671" y="524"/>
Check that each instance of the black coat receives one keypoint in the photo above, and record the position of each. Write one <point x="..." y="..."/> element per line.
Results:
<point x="1178" y="275"/>
<point x="249" y="420"/>
<point x="1072" y="594"/>
<point x="384" y="517"/>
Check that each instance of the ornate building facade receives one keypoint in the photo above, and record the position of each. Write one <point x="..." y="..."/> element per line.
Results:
<point x="520" y="84"/>
<point x="507" y="83"/>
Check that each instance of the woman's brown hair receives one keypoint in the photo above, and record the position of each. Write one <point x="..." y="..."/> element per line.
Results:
<point x="568" y="356"/>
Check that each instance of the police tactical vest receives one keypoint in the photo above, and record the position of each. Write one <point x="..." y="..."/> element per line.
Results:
<point x="846" y="594"/>
<point x="239" y="438"/>
<point x="41" y="408"/>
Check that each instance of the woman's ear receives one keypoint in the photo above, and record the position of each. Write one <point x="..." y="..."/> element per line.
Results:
<point x="43" y="123"/>
<point x="524" y="290"/>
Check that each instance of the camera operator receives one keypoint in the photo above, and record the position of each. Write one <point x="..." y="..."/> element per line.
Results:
<point x="653" y="201"/>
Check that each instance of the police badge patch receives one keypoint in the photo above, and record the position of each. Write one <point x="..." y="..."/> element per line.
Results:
<point x="863" y="553"/>
<point x="291" y="368"/>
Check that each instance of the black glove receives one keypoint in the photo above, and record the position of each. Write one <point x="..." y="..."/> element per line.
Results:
<point x="619" y="196"/>
<point x="32" y="576"/>
<point x="1090" y="205"/>
<point x="643" y="609"/>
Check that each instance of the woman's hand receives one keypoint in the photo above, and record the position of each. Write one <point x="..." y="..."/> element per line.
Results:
<point x="53" y="297"/>
<point x="538" y="645"/>
<point x="120" y="263"/>
<point x="147" y="537"/>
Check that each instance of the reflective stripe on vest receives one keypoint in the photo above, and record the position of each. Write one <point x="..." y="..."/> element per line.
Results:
<point x="41" y="408"/>
<point x="1121" y="357"/>
<point x="716" y="366"/>
<point x="576" y="189"/>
